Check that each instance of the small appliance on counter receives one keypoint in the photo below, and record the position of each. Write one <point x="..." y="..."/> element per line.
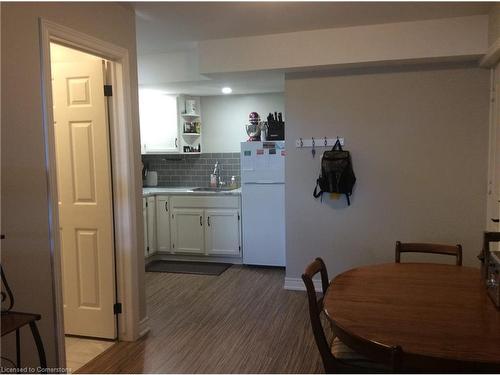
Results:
<point x="151" y="178"/>
<point x="263" y="203"/>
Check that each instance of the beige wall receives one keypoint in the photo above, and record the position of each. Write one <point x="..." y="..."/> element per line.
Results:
<point x="26" y="251"/>
<point x="419" y="143"/>
<point x="494" y="24"/>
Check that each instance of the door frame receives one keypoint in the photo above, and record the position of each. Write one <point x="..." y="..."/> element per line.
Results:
<point x="491" y="61"/>
<point x="124" y="176"/>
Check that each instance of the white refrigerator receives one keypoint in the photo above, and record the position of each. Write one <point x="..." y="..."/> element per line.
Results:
<point x="263" y="202"/>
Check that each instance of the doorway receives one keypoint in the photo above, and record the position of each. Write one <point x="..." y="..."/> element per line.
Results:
<point x="493" y="198"/>
<point x="126" y="179"/>
<point x="85" y="202"/>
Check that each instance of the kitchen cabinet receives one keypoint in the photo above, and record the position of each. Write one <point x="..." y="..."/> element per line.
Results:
<point x="145" y="224"/>
<point x="208" y="225"/>
<point x="151" y="224"/>
<point x="222" y="232"/>
<point x="162" y="223"/>
<point x="187" y="230"/>
<point x="158" y="122"/>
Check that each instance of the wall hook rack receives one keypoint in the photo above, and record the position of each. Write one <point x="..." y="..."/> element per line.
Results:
<point x="318" y="142"/>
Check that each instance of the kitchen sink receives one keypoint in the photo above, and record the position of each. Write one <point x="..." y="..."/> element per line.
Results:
<point x="214" y="189"/>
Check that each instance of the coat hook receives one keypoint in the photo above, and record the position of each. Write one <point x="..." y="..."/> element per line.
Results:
<point x="326" y="142"/>
<point x="313" y="151"/>
<point x="301" y="142"/>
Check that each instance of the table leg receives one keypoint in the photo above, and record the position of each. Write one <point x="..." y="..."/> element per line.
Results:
<point x="18" y="349"/>
<point x="39" y="346"/>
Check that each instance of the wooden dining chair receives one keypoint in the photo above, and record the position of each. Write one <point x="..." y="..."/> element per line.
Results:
<point x="336" y="355"/>
<point x="429" y="248"/>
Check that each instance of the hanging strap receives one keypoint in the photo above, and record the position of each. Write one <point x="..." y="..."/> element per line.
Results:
<point x="316" y="193"/>
<point x="348" y="199"/>
<point x="337" y="146"/>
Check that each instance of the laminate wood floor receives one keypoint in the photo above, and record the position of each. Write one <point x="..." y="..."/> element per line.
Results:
<point x="242" y="321"/>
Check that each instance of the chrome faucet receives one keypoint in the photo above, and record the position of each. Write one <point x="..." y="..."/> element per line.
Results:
<point x="217" y="174"/>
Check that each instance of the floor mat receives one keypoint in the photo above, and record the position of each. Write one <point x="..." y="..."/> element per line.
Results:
<point x="199" y="268"/>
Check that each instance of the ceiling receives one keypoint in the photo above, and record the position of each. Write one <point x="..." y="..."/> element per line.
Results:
<point x="167" y="27"/>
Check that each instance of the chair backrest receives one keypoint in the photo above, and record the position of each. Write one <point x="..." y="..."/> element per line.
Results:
<point x="388" y="355"/>
<point x="316" y="309"/>
<point x="429" y="248"/>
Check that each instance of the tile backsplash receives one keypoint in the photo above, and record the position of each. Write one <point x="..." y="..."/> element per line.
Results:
<point x="193" y="170"/>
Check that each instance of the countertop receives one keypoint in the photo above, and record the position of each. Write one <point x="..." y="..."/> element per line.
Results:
<point x="147" y="191"/>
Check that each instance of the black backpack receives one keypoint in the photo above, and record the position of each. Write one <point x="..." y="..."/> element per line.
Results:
<point x="337" y="175"/>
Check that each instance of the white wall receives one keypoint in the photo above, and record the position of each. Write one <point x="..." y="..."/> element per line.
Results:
<point x="26" y="254"/>
<point x="178" y="66"/>
<point x="224" y="118"/>
<point x="442" y="39"/>
<point x="419" y="144"/>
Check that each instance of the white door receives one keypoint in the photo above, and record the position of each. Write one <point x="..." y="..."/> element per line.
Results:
<point x="494" y="158"/>
<point x="145" y="224"/>
<point x="151" y="207"/>
<point x="162" y="223"/>
<point x="222" y="232"/>
<point x="85" y="197"/>
<point x="187" y="230"/>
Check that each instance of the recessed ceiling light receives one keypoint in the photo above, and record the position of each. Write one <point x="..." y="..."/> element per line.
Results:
<point x="227" y="90"/>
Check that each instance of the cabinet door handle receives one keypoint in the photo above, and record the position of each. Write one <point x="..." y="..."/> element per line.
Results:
<point x="201" y="220"/>
<point x="208" y="220"/>
<point x="175" y="142"/>
<point x="166" y="206"/>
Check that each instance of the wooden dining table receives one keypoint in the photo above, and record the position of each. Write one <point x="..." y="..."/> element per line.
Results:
<point x="440" y="315"/>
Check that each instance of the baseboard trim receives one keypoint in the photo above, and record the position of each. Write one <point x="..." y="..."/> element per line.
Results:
<point x="144" y="327"/>
<point x="195" y="258"/>
<point x="294" y="283"/>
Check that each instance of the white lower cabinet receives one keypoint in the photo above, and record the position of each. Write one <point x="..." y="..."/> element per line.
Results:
<point x="222" y="232"/>
<point x="145" y="223"/>
<point x="196" y="225"/>
<point x="163" y="223"/>
<point x="151" y="225"/>
<point x="187" y="230"/>
<point x="206" y="225"/>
